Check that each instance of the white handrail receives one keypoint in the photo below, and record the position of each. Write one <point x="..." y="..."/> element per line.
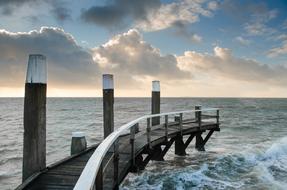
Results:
<point x="89" y="174"/>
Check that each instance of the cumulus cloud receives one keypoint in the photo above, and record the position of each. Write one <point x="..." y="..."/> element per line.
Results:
<point x="126" y="55"/>
<point x="69" y="63"/>
<point x="134" y="63"/>
<point x="129" y="55"/>
<point x="223" y="64"/>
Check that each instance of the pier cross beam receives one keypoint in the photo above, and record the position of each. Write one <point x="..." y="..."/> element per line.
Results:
<point x="34" y="148"/>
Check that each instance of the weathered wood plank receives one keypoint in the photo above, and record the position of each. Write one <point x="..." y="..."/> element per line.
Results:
<point x="65" y="175"/>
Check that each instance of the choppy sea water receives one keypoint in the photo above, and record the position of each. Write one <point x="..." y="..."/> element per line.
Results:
<point x="250" y="152"/>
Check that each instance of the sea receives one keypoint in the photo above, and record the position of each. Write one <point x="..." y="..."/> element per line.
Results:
<point x="250" y="151"/>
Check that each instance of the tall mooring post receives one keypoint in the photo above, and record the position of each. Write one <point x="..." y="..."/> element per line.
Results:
<point x="34" y="149"/>
<point x="108" y="104"/>
<point x="155" y="102"/>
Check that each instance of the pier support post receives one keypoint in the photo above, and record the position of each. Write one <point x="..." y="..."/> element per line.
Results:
<point x="34" y="149"/>
<point x="79" y="142"/>
<point x="155" y="102"/>
<point x="157" y="153"/>
<point x="179" y="147"/>
<point x="108" y="104"/>
<point x="199" y="143"/>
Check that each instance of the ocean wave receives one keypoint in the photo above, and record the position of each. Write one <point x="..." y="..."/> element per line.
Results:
<point x="251" y="168"/>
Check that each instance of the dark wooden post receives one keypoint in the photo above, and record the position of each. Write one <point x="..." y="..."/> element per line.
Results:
<point x="34" y="149"/>
<point x="79" y="142"/>
<point x="179" y="146"/>
<point x="108" y="104"/>
<point x="155" y="102"/>
<point x="199" y="143"/>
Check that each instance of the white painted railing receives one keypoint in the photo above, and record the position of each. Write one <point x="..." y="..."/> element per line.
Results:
<point x="89" y="174"/>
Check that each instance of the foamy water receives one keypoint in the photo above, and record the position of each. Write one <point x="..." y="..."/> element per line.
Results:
<point x="250" y="152"/>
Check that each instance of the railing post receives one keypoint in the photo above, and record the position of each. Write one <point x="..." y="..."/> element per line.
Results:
<point x="108" y="104"/>
<point x="99" y="179"/>
<point x="180" y="123"/>
<point x="166" y="127"/>
<point x="132" y="142"/>
<point x="217" y="117"/>
<point x="116" y="164"/>
<point x="198" y="115"/>
<point x="79" y="142"/>
<point x="34" y="148"/>
<point x="155" y="102"/>
<point x="148" y="129"/>
<point x="179" y="146"/>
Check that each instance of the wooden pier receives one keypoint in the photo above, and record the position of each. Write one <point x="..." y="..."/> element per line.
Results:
<point x="127" y="149"/>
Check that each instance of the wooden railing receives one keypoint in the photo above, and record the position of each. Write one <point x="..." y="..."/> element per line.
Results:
<point x="94" y="169"/>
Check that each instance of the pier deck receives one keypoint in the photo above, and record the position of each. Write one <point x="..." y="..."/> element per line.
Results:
<point x="65" y="174"/>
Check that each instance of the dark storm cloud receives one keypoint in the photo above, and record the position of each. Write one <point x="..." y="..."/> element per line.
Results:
<point x="117" y="13"/>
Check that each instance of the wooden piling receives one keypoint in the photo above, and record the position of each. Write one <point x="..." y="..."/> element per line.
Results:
<point x="78" y="143"/>
<point x="155" y="102"/>
<point x="199" y="143"/>
<point x="34" y="148"/>
<point x="108" y="104"/>
<point x="179" y="147"/>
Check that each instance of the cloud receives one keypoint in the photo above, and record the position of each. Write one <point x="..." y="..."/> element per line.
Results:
<point x="118" y="13"/>
<point x="185" y="12"/>
<point x="148" y="15"/>
<point x="182" y="31"/>
<point x="255" y="16"/>
<point x="57" y="8"/>
<point x="135" y="63"/>
<point x="69" y="64"/>
<point x="222" y="64"/>
<point x="60" y="11"/>
<point x="281" y="50"/>
<point x="129" y="55"/>
<point x="258" y="24"/>
<point x="242" y="40"/>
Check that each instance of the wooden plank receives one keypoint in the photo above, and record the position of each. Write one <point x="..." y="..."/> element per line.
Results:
<point x="65" y="175"/>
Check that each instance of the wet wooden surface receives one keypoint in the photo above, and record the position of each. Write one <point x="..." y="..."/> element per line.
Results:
<point x="64" y="175"/>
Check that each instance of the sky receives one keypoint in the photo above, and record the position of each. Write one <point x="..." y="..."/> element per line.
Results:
<point x="196" y="48"/>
